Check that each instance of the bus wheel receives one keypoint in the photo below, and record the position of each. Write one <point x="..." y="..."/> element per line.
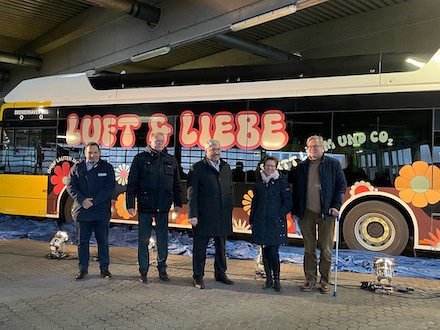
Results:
<point x="67" y="212"/>
<point x="376" y="226"/>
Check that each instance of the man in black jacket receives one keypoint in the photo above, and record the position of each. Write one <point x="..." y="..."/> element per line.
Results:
<point x="318" y="187"/>
<point x="210" y="203"/>
<point x="90" y="184"/>
<point x="154" y="180"/>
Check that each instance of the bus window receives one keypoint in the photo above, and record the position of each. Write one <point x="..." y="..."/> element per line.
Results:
<point x="27" y="151"/>
<point x="378" y="144"/>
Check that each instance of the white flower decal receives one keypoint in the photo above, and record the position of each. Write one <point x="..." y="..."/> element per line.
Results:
<point x="121" y="174"/>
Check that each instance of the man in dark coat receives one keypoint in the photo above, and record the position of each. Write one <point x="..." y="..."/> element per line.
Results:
<point x="319" y="185"/>
<point x="90" y="184"/>
<point x="154" y="180"/>
<point x="210" y="203"/>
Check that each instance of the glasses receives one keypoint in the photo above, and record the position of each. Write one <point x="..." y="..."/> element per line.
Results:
<point x="270" y="166"/>
<point x="314" y="147"/>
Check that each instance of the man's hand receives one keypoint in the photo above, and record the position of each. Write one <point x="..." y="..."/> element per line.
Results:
<point x="334" y="212"/>
<point x="193" y="221"/>
<point x="87" y="203"/>
<point x="132" y="212"/>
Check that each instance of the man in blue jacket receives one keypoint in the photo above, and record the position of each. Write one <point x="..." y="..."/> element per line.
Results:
<point x="154" y="180"/>
<point x="318" y="187"/>
<point x="90" y="184"/>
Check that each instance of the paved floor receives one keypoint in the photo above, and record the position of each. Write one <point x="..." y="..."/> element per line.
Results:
<point x="41" y="293"/>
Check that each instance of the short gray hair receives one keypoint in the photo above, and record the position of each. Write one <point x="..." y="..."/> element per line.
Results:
<point x="211" y="142"/>
<point x="317" y="138"/>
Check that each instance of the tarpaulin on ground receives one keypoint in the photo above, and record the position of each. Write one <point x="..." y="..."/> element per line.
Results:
<point x="13" y="227"/>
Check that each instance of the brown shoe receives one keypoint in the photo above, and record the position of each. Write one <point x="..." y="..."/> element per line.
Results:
<point x="164" y="276"/>
<point x="325" y="288"/>
<point x="308" y="286"/>
<point x="224" y="279"/>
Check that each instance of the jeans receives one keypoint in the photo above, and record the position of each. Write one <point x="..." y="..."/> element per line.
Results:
<point x="326" y="231"/>
<point x="84" y="231"/>
<point x="144" y="234"/>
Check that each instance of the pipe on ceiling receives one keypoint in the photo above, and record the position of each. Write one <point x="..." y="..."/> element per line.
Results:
<point x="21" y="60"/>
<point x="137" y="9"/>
<point x="256" y="48"/>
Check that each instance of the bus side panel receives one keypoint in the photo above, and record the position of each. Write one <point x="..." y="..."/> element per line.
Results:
<point x="23" y="194"/>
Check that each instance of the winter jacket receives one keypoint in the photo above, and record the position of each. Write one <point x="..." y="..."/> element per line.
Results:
<point x="210" y="198"/>
<point x="333" y="186"/>
<point x="98" y="183"/>
<point x="270" y="205"/>
<point x="154" y="180"/>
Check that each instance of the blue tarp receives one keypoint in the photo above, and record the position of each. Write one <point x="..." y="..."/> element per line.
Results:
<point x="13" y="227"/>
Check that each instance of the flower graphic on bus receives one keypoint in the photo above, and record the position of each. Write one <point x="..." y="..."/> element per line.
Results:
<point x="240" y="226"/>
<point x="121" y="174"/>
<point x="121" y="207"/>
<point x="419" y="184"/>
<point x="59" y="179"/>
<point x="360" y="187"/>
<point x="182" y="219"/>
<point x="434" y="241"/>
<point x="247" y="201"/>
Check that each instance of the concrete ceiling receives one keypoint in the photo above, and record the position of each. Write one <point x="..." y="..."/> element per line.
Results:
<point x="43" y="37"/>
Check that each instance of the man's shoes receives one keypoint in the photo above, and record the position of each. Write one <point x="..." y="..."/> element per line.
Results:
<point x="325" y="288"/>
<point x="81" y="275"/>
<point x="198" y="283"/>
<point x="308" y="286"/>
<point x="224" y="279"/>
<point x="164" y="276"/>
<point x="105" y="273"/>
<point x="143" y="278"/>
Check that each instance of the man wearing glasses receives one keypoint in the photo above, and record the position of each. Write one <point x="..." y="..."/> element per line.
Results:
<point x="318" y="187"/>
<point x="154" y="180"/>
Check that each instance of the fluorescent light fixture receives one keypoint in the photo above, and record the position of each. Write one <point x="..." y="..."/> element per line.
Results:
<point x="415" y="62"/>
<point x="263" y="18"/>
<point x="150" y="54"/>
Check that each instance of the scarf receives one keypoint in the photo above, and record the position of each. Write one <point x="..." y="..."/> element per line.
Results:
<point x="266" y="178"/>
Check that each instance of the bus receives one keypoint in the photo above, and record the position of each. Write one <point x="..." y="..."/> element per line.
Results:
<point x="379" y="115"/>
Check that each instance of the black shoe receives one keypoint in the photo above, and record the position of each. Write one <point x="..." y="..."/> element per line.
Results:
<point x="198" y="283"/>
<point x="105" y="273"/>
<point x="269" y="283"/>
<point x="164" y="276"/>
<point x="81" y="275"/>
<point x="277" y="285"/>
<point x="143" y="278"/>
<point x="224" y="279"/>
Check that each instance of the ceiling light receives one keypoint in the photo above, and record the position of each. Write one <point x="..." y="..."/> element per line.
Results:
<point x="263" y="18"/>
<point x="150" y="54"/>
<point x="415" y="62"/>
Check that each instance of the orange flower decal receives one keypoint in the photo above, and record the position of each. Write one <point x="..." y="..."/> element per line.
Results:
<point x="182" y="219"/>
<point x="419" y="184"/>
<point x="247" y="201"/>
<point x="59" y="179"/>
<point x="290" y="224"/>
<point x="434" y="241"/>
<point x="121" y="207"/>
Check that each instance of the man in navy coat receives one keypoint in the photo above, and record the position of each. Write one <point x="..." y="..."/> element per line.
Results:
<point x="210" y="203"/>
<point x="90" y="184"/>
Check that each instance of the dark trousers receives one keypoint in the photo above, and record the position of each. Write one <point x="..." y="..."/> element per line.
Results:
<point x="84" y="231"/>
<point x="200" y="243"/>
<point x="144" y="234"/>
<point x="272" y="257"/>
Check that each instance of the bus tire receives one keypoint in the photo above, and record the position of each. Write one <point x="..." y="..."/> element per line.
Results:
<point x="376" y="226"/>
<point x="67" y="211"/>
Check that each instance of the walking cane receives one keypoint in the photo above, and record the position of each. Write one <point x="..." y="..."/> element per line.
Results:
<point x="336" y="257"/>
